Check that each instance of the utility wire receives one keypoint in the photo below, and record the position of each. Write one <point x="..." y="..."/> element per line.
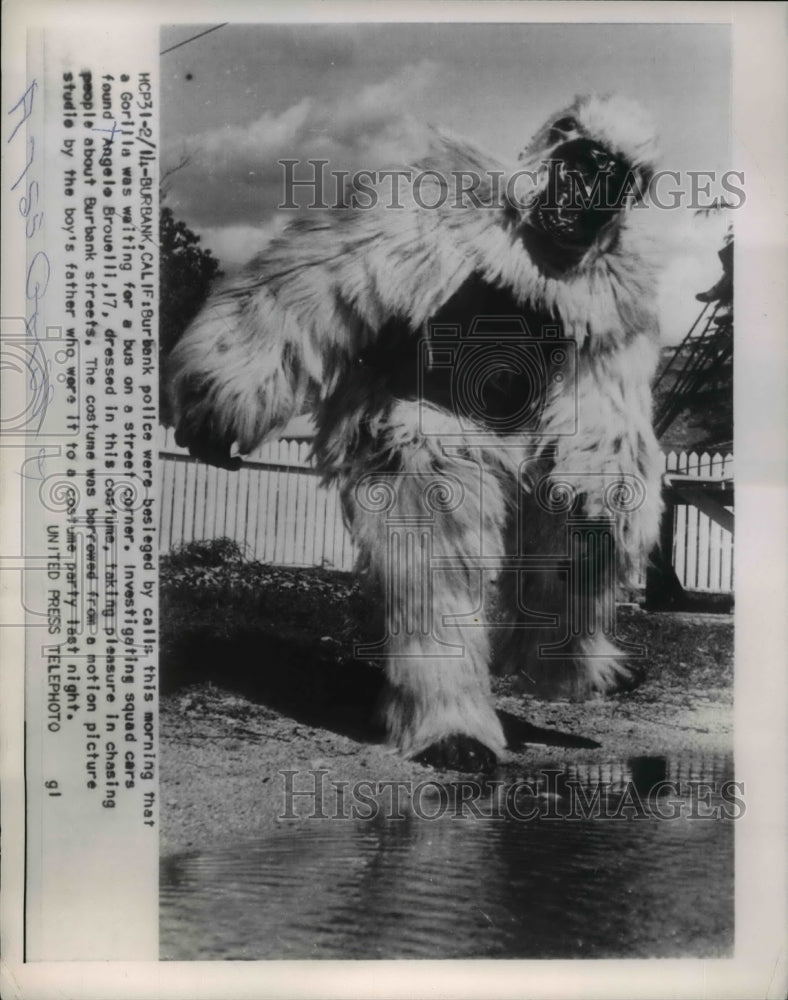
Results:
<point x="187" y="40"/>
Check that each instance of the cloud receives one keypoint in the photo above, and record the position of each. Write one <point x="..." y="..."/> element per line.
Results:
<point x="234" y="147"/>
<point x="234" y="245"/>
<point x="694" y="267"/>
<point x="375" y="107"/>
<point x="233" y="171"/>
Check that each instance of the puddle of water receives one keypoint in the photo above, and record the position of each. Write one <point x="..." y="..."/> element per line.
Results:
<point x="468" y="887"/>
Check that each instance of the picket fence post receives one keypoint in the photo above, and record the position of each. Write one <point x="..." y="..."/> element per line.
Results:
<point x="278" y="511"/>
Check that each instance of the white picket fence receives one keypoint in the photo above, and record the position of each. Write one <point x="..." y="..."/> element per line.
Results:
<point x="702" y="550"/>
<point x="274" y="506"/>
<point x="276" y="509"/>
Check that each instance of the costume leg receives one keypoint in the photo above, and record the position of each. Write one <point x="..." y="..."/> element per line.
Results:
<point x="426" y="505"/>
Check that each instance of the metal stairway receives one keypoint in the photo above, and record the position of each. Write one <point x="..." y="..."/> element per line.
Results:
<point x="700" y="367"/>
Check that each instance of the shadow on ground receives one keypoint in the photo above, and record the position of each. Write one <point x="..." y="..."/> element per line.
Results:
<point x="318" y="689"/>
<point x="284" y="672"/>
<point x="284" y="638"/>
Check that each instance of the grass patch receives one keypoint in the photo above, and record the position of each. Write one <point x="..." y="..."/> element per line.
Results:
<point x="211" y="588"/>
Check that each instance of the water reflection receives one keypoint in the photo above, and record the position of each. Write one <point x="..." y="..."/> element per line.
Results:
<point x="470" y="887"/>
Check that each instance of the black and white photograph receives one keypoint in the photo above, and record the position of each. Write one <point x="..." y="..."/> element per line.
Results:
<point x="392" y="551"/>
<point x="447" y="503"/>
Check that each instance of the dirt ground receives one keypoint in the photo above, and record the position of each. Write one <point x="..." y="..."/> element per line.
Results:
<point x="223" y="743"/>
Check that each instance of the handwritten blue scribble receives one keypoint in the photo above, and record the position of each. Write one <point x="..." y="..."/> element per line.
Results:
<point x="111" y="131"/>
<point x="38" y="271"/>
<point x="26" y="100"/>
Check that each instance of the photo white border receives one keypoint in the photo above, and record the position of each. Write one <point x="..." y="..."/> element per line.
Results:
<point x="760" y="968"/>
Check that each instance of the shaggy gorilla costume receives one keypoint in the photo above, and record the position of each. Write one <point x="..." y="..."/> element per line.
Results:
<point x="479" y="374"/>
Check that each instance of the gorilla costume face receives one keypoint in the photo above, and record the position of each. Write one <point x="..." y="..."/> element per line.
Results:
<point x="479" y="374"/>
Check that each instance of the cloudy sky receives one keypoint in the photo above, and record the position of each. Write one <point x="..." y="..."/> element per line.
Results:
<point x="240" y="98"/>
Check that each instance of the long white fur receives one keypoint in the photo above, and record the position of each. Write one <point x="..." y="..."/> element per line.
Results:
<point x="292" y="325"/>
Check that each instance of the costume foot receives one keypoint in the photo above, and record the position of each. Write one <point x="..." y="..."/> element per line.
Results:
<point x="459" y="753"/>
<point x="567" y="680"/>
